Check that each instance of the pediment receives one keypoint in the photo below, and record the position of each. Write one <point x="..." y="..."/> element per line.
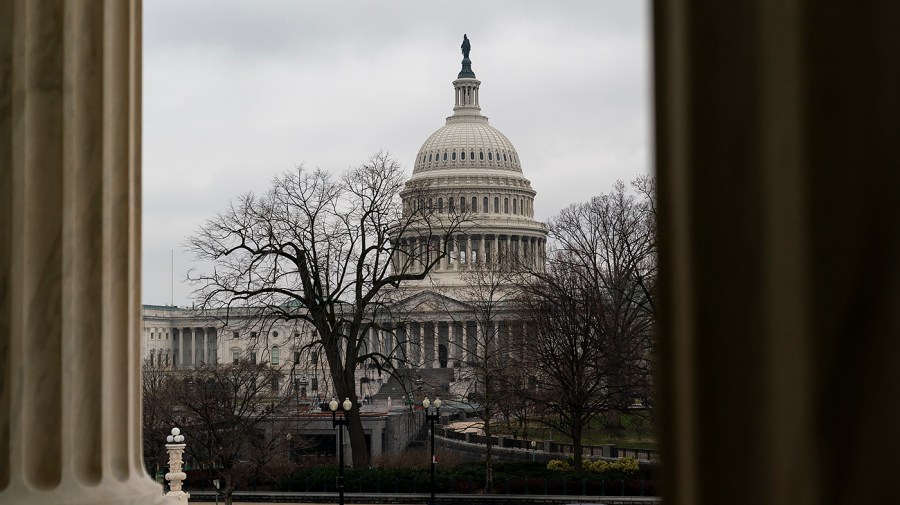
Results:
<point x="430" y="301"/>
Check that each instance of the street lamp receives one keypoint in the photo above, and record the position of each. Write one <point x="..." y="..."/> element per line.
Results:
<point x="335" y="423"/>
<point x="533" y="447"/>
<point x="432" y="418"/>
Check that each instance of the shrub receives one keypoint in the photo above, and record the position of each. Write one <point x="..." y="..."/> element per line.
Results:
<point x="559" y="465"/>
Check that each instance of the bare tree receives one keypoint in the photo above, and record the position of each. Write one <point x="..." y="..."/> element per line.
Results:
<point x="490" y="352"/>
<point x="234" y="416"/>
<point x="327" y="251"/>
<point x="590" y="349"/>
<point x="157" y="415"/>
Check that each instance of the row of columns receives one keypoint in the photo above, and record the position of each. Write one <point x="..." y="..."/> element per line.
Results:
<point x="467" y="94"/>
<point x="465" y="342"/>
<point x="194" y="347"/>
<point x="188" y="347"/>
<point x="466" y="250"/>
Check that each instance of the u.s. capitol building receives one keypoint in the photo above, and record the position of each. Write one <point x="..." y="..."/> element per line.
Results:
<point x="465" y="166"/>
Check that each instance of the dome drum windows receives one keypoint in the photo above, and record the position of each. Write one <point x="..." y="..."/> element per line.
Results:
<point x="453" y="156"/>
<point x="445" y="155"/>
<point x="484" y="205"/>
<point x="481" y="155"/>
<point x="462" y="155"/>
<point x="490" y="156"/>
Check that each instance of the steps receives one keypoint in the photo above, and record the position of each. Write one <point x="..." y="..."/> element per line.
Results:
<point x="434" y="382"/>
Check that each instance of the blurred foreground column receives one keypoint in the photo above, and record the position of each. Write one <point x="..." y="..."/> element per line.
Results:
<point x="70" y="393"/>
<point x="778" y="155"/>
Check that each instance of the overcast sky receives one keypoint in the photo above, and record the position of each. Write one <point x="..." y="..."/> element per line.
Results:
<point x="237" y="92"/>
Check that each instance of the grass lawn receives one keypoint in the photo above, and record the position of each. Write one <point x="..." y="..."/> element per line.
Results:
<point x="629" y="430"/>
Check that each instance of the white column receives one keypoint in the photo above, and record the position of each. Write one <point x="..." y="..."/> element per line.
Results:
<point x="468" y="251"/>
<point x="70" y="331"/>
<point x="481" y="250"/>
<point x="435" y="343"/>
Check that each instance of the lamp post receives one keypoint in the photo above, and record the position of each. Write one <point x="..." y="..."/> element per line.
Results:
<point x="340" y="423"/>
<point x="533" y="447"/>
<point x="432" y="418"/>
<point x="175" y="446"/>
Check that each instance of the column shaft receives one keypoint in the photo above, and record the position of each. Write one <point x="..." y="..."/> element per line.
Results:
<point x="70" y="334"/>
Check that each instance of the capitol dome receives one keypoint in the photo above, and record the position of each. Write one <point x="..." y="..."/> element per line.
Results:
<point x="467" y="142"/>
<point x="469" y="168"/>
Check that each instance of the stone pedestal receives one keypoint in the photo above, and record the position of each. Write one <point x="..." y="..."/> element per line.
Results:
<point x="175" y="477"/>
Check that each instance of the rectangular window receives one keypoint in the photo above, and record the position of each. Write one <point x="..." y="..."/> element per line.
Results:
<point x="274" y="384"/>
<point x="234" y="334"/>
<point x="276" y="356"/>
<point x="235" y="357"/>
<point x="314" y="357"/>
<point x="314" y="385"/>
<point x="253" y="357"/>
<point x="296" y="357"/>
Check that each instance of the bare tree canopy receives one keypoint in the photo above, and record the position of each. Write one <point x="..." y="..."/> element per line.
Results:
<point x="324" y="250"/>
<point x="591" y="341"/>
<point x="234" y="417"/>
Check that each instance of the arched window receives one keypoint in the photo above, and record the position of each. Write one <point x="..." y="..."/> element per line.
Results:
<point x="481" y="155"/>
<point x="490" y="156"/>
<point x="440" y="205"/>
<point x="276" y="355"/>
<point x="462" y="155"/>
<point x="522" y="206"/>
<point x="429" y="157"/>
<point x="450" y="205"/>
<point x="462" y="204"/>
<point x="515" y="211"/>
<point x="474" y="206"/>
<point x="453" y="156"/>
<point x="496" y="205"/>
<point x="445" y="155"/>
<point x="484" y="205"/>
<point x="430" y="203"/>
<point x="472" y="155"/>
<point x="504" y="156"/>
<point x="506" y="205"/>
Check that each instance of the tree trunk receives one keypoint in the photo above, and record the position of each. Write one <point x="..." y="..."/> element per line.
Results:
<point x="358" y="440"/>
<point x="488" y="461"/>
<point x="577" y="450"/>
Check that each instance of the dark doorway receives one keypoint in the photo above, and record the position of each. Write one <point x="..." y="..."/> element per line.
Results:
<point x="442" y="355"/>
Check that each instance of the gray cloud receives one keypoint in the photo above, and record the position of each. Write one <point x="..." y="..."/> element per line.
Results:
<point x="236" y="92"/>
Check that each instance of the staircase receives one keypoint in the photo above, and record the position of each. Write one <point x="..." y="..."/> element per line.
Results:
<point x="435" y="383"/>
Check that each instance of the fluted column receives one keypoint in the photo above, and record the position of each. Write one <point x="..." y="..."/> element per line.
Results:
<point x="70" y="404"/>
